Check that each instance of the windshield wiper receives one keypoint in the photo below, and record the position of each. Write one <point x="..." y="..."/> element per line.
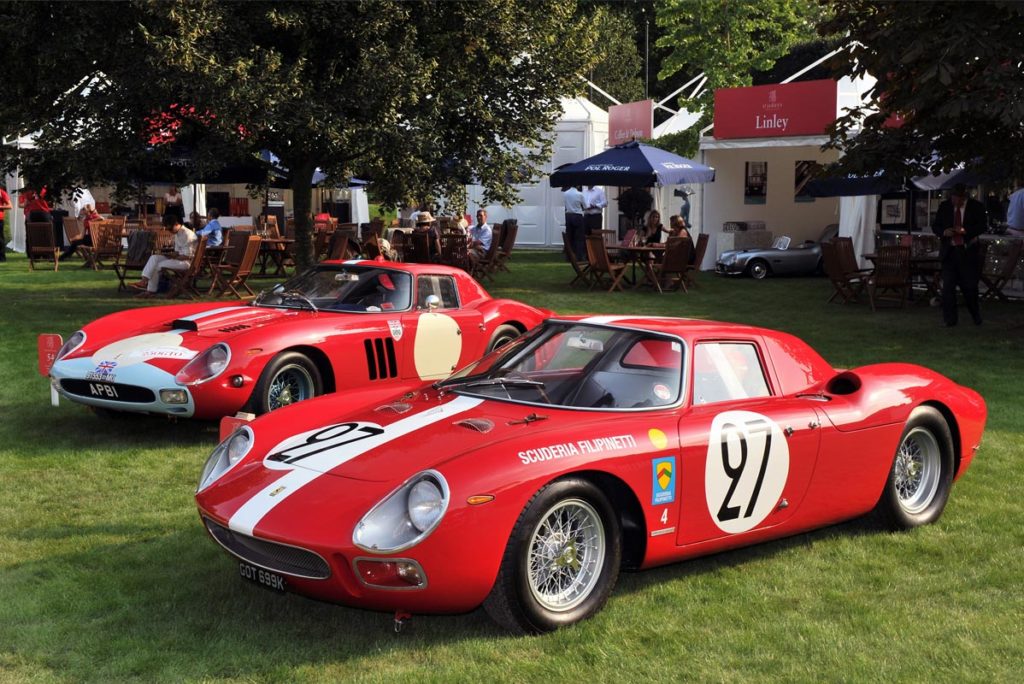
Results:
<point x="295" y="294"/>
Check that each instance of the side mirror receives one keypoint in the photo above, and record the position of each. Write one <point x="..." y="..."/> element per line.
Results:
<point x="433" y="302"/>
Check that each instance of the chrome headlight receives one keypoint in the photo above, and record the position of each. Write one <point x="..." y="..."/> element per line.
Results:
<point x="227" y="454"/>
<point x="406" y="516"/>
<point x="206" y="366"/>
<point x="73" y="343"/>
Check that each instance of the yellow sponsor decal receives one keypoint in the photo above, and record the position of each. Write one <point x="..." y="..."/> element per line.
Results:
<point x="658" y="438"/>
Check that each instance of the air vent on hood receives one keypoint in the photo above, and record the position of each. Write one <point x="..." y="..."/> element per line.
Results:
<point x="478" y="424"/>
<point x="184" y="324"/>
<point x="397" y="407"/>
<point x="235" y="328"/>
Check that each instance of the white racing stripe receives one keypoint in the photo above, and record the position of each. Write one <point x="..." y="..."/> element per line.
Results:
<point x="611" y="319"/>
<point x="255" y="509"/>
<point x="213" y="312"/>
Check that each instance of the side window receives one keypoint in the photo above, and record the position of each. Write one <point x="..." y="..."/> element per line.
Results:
<point x="727" y="371"/>
<point x="442" y="286"/>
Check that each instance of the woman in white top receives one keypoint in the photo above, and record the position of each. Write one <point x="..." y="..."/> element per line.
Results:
<point x="173" y="203"/>
<point x="184" y="247"/>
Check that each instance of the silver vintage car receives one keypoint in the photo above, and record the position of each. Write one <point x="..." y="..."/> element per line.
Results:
<point x="781" y="258"/>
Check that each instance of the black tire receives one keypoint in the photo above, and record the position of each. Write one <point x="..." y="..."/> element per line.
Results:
<point x="502" y="336"/>
<point x="522" y="606"/>
<point x="290" y="377"/>
<point x="759" y="269"/>
<point x="921" y="476"/>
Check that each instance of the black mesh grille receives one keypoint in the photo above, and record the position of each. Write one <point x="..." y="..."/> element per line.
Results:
<point x="111" y="391"/>
<point x="277" y="557"/>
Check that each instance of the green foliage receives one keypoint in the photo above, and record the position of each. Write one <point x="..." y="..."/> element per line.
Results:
<point x="420" y="97"/>
<point x="108" y="575"/>
<point x="619" y="67"/>
<point x="730" y="39"/>
<point x="952" y="69"/>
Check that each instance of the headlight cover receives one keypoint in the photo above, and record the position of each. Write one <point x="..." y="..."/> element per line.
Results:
<point x="206" y="366"/>
<point x="73" y="343"/>
<point x="406" y="516"/>
<point x="227" y="454"/>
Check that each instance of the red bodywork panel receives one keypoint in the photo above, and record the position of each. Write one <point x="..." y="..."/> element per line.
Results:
<point x="838" y="447"/>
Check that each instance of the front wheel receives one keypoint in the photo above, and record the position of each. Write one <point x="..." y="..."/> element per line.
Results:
<point x="758" y="269"/>
<point x="502" y="336"/>
<point x="922" y="472"/>
<point x="561" y="561"/>
<point x="289" y="378"/>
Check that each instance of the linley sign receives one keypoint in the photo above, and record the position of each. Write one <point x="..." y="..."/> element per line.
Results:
<point x="805" y="108"/>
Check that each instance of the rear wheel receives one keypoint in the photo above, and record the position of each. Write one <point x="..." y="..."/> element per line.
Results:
<point x="502" y="336"/>
<point x="561" y="561"/>
<point x="922" y="472"/>
<point x="290" y="377"/>
<point x="758" y="269"/>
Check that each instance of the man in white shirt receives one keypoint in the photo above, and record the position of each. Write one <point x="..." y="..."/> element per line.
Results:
<point x="480" y="236"/>
<point x="184" y="248"/>
<point x="594" y="202"/>
<point x="1015" y="213"/>
<point x="574" y="231"/>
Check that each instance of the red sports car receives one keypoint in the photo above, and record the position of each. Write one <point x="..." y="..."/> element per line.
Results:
<point x="528" y="479"/>
<point x="377" y="327"/>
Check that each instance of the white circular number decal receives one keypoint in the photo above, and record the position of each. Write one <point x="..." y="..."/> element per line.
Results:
<point x="746" y="469"/>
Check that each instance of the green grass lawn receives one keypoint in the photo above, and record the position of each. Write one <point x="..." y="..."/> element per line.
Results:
<point x="107" y="575"/>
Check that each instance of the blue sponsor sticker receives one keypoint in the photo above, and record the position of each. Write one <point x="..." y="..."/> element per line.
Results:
<point x="663" y="475"/>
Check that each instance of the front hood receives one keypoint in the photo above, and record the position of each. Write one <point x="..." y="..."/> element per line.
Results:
<point x="224" y="322"/>
<point x="394" y="439"/>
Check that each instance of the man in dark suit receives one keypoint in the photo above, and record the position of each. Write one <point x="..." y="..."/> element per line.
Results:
<point x="959" y="222"/>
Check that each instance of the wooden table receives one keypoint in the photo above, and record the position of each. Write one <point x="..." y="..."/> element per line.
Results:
<point x="643" y="256"/>
<point x="925" y="268"/>
<point x="276" y="250"/>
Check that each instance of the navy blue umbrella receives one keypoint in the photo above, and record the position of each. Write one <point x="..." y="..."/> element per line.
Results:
<point x="634" y="164"/>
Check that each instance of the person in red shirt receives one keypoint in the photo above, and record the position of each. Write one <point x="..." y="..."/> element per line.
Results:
<point x="36" y="206"/>
<point x="89" y="216"/>
<point x="5" y="204"/>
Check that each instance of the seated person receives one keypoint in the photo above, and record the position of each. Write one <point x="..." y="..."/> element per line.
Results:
<point x="652" y="229"/>
<point x="677" y="228"/>
<point x="212" y="229"/>
<point x="480" y="236"/>
<point x="89" y="216"/>
<point x="184" y="248"/>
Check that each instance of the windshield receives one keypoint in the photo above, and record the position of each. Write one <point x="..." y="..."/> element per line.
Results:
<point x="361" y="289"/>
<point x="580" y="366"/>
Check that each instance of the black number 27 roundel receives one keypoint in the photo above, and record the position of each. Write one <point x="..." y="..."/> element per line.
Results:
<point x="746" y="469"/>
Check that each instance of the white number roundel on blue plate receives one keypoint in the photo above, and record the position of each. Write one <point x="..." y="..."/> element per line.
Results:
<point x="746" y="469"/>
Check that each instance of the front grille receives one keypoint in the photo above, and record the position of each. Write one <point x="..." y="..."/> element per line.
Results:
<point x="289" y="560"/>
<point x="111" y="391"/>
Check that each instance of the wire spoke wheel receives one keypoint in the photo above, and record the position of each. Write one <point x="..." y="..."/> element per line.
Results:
<point x="917" y="470"/>
<point x="566" y="554"/>
<point x="291" y="384"/>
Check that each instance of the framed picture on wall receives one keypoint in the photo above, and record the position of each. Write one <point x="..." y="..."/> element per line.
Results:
<point x="894" y="211"/>
<point x="755" y="189"/>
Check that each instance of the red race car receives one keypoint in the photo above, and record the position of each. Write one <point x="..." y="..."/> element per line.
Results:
<point x="528" y="479"/>
<point x="377" y="327"/>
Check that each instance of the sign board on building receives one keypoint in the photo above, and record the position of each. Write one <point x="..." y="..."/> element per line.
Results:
<point x="630" y="121"/>
<point x="803" y="108"/>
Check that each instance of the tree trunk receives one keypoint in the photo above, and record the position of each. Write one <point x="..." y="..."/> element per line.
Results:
<point x="302" y="197"/>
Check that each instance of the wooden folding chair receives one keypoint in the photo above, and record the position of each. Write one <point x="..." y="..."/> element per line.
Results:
<point x="371" y="248"/>
<point x="106" y="243"/>
<point x="418" y="248"/>
<point x="581" y="267"/>
<point x="674" y="264"/>
<point x="454" y="250"/>
<point x="509" y="232"/>
<point x="602" y="266"/>
<point x="75" y="230"/>
<point x="891" y="274"/>
<point x="40" y="244"/>
<point x="998" y="270"/>
<point x="698" y="258"/>
<point x="849" y="286"/>
<point x="141" y="245"/>
<point x="184" y="282"/>
<point x="399" y="243"/>
<point x="234" y="276"/>
<point x="485" y="266"/>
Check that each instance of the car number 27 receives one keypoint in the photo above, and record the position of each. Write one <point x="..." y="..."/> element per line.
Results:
<point x="745" y="471"/>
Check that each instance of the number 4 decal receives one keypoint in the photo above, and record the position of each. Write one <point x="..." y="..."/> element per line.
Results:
<point x="745" y="471"/>
<point x="664" y="517"/>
